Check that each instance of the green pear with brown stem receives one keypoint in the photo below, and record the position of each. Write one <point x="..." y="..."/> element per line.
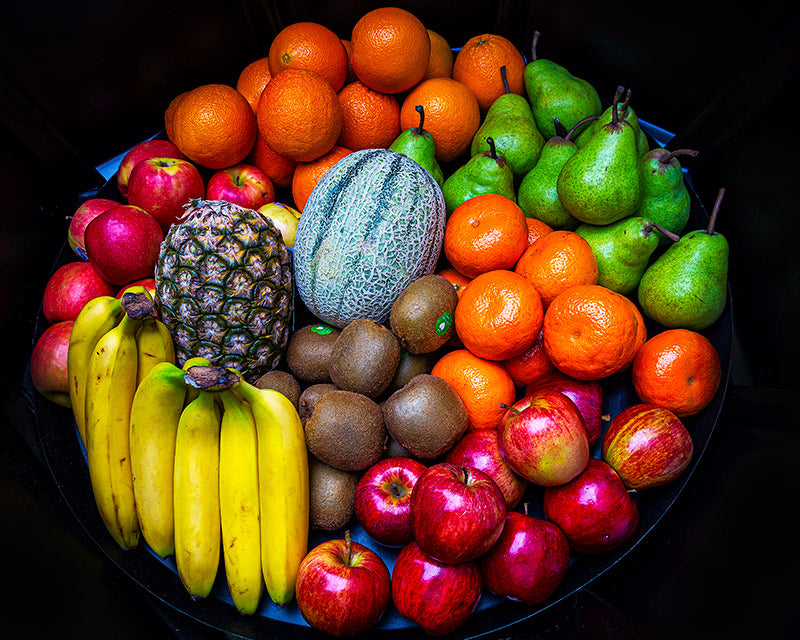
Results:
<point x="418" y="144"/>
<point x="626" y="112"/>
<point x="485" y="172"/>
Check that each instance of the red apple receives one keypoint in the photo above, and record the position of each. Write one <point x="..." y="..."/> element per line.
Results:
<point x="243" y="184"/>
<point x="284" y="218"/>
<point x="528" y="562"/>
<point x="457" y="512"/>
<point x="123" y="244"/>
<point x="479" y="449"/>
<point x="343" y="587"/>
<point x="437" y="596"/>
<point x="70" y="287"/>
<point x="49" y="363"/>
<point x="543" y="438"/>
<point x="162" y="186"/>
<point x="148" y="283"/>
<point x="594" y="510"/>
<point x="383" y="499"/>
<point x="647" y="446"/>
<point x="83" y="215"/>
<point x="144" y="151"/>
<point x="586" y="394"/>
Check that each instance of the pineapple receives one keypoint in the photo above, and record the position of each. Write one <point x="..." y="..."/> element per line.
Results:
<point x="224" y="287"/>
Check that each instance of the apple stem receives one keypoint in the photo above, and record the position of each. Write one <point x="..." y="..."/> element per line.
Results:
<point x="348" y="546"/>
<point x="606" y="417"/>
<point x="395" y="490"/>
<point x="525" y="508"/>
<point x="513" y="409"/>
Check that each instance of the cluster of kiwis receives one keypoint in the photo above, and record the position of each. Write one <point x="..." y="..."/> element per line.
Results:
<point x="364" y="392"/>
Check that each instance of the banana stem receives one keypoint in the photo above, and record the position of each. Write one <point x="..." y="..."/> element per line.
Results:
<point x="210" y="378"/>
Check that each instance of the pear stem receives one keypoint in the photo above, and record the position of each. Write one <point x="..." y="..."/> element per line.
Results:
<point x="615" y="106"/>
<point x="715" y="211"/>
<point x="492" y="148"/>
<point x="560" y="129"/>
<point x="421" y="111"/>
<point x="678" y="152"/>
<point x="504" y="76"/>
<point x="578" y="124"/>
<point x="536" y="35"/>
<point x="654" y="225"/>
<point x="626" y="105"/>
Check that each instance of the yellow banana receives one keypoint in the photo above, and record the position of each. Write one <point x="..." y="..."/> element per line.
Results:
<point x="239" y="504"/>
<point x="98" y="316"/>
<point x="283" y="488"/>
<point x="196" y="495"/>
<point x="111" y="385"/>
<point x="155" y="412"/>
<point x="154" y="344"/>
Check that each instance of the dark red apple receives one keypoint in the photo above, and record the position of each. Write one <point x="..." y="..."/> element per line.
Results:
<point x="144" y="151"/>
<point x="437" y="596"/>
<point x="479" y="449"/>
<point x="586" y="394"/>
<point x="342" y="587"/>
<point x="162" y="186"/>
<point x="595" y="510"/>
<point x="543" y="438"/>
<point x="242" y="184"/>
<point x="123" y="244"/>
<point x="528" y="562"/>
<point x="647" y="445"/>
<point x="149" y="285"/>
<point x="83" y="215"/>
<point x="49" y="363"/>
<point x="383" y="499"/>
<point x="457" y="512"/>
<point x="70" y="287"/>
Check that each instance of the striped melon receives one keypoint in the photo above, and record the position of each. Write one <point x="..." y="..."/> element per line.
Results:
<point x="373" y="224"/>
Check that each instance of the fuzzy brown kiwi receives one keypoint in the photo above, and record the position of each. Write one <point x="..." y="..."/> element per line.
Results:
<point x="308" y="352"/>
<point x="309" y="397"/>
<point x="282" y="382"/>
<point x="426" y="417"/>
<point x="331" y="495"/>
<point x="346" y="431"/>
<point x="411" y="364"/>
<point x="422" y="315"/>
<point x="364" y="358"/>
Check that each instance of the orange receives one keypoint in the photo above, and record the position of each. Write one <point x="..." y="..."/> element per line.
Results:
<point x="452" y="115"/>
<point x="308" y="174"/>
<point x="641" y="331"/>
<point x="252" y="80"/>
<point x="499" y="315"/>
<point x="299" y="115"/>
<point x="536" y="229"/>
<point x="309" y="45"/>
<point x="169" y="114"/>
<point x="531" y="364"/>
<point x="277" y="168"/>
<point x="478" y="64"/>
<point x="370" y="119"/>
<point x="459" y="280"/>
<point x="391" y="48"/>
<point x="485" y="233"/>
<point x="557" y="261"/>
<point x="440" y="61"/>
<point x="351" y="76"/>
<point x="214" y="126"/>
<point x="678" y="369"/>
<point x="483" y="386"/>
<point x="590" y="332"/>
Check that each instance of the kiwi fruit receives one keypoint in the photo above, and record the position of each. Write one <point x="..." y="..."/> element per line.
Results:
<point x="308" y="352"/>
<point x="346" y="430"/>
<point x="364" y="358"/>
<point x="309" y="397"/>
<point x="411" y="364"/>
<point x="426" y="417"/>
<point x="331" y="495"/>
<point x="422" y="315"/>
<point x="282" y="382"/>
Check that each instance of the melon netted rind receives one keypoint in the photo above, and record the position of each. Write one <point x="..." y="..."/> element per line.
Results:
<point x="373" y="224"/>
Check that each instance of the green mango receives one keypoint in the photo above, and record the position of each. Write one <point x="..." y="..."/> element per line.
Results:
<point x="485" y="172"/>
<point x="418" y="144"/>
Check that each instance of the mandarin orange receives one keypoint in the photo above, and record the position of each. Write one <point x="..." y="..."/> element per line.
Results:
<point x="478" y="65"/>
<point x="309" y="45"/>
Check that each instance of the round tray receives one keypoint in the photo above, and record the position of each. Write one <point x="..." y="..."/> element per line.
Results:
<point x="64" y="456"/>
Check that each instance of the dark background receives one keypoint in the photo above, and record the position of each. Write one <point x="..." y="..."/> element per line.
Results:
<point x="81" y="82"/>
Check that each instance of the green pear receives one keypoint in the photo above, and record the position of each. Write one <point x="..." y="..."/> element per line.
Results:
<point x="622" y="249"/>
<point x="417" y="143"/>
<point x="666" y="198"/>
<point x="485" y="172"/>
<point x="555" y="93"/>
<point x="602" y="182"/>
<point x="627" y="113"/>
<point x="687" y="286"/>
<point x="509" y="122"/>
<point x="537" y="195"/>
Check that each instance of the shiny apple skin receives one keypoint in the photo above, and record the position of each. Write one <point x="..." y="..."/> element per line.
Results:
<point x="155" y="148"/>
<point x="243" y="184"/>
<point x="70" y="287"/>
<point x="163" y="186"/>
<point x="49" y="363"/>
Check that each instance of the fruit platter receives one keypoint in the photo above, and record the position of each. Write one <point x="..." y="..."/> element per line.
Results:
<point x="352" y="324"/>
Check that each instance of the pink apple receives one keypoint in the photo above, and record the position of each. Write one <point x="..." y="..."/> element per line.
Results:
<point x="343" y="587"/>
<point x="83" y="215"/>
<point x="479" y="449"/>
<point x="594" y="510"/>
<point x="70" y="287"/>
<point x="148" y="283"/>
<point x="383" y="499"/>
<point x="457" y="512"/>
<point x="543" y="438"/>
<point x="123" y="244"/>
<point x="586" y="394"/>
<point x="647" y="445"/>
<point x="528" y="562"/>
<point x="144" y="151"/>
<point x="284" y="218"/>
<point x="243" y="184"/>
<point x="162" y="186"/>
<point x="49" y="363"/>
<point x="437" y="596"/>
